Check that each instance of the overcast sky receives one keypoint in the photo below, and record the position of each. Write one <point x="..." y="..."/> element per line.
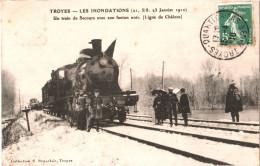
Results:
<point x="33" y="44"/>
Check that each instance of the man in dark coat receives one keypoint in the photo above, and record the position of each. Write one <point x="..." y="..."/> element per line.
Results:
<point x="76" y="107"/>
<point x="233" y="102"/>
<point x="157" y="105"/>
<point x="163" y="113"/>
<point x="172" y="100"/>
<point x="82" y="113"/>
<point x="184" y="106"/>
<point x="96" y="107"/>
<point x="111" y="108"/>
<point x="75" y="103"/>
<point x="88" y="111"/>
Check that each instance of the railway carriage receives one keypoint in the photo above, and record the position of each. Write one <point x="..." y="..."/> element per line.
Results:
<point x="94" y="69"/>
<point x="34" y="104"/>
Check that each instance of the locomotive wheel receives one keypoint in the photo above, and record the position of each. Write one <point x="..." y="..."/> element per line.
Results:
<point x="121" y="120"/>
<point x="63" y="116"/>
<point x="111" y="120"/>
<point x="122" y="116"/>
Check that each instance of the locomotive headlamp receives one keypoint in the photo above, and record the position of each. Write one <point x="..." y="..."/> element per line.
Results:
<point x="103" y="61"/>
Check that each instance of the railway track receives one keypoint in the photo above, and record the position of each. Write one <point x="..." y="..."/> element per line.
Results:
<point x="199" y="136"/>
<point x="201" y="126"/>
<point x="211" y="138"/>
<point x="168" y="148"/>
<point x="199" y="141"/>
<point x="200" y="120"/>
<point x="201" y="149"/>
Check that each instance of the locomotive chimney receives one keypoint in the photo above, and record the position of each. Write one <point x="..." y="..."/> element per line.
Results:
<point x="96" y="44"/>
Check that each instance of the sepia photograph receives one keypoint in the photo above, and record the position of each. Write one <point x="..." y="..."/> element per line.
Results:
<point x="129" y="83"/>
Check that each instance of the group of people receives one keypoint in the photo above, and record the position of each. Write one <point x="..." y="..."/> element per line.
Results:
<point x="166" y="105"/>
<point x="89" y="109"/>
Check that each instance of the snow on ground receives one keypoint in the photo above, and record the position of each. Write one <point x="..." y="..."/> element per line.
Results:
<point x="232" y="154"/>
<point x="231" y="126"/>
<point x="246" y="116"/>
<point x="239" y="136"/>
<point x="54" y="143"/>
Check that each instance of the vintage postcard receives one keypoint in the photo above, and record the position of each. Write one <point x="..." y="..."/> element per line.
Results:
<point x="129" y="83"/>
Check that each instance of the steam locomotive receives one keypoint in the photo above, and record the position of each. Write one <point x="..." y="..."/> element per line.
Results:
<point x="93" y="69"/>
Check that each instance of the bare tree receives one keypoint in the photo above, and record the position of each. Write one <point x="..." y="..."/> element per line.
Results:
<point x="207" y="67"/>
<point x="122" y="63"/>
<point x="207" y="91"/>
<point x="210" y="82"/>
<point x="8" y="93"/>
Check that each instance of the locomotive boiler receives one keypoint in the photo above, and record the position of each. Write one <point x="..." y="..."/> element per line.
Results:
<point x="93" y="69"/>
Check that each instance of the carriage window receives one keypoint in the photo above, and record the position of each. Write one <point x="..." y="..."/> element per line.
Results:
<point x="61" y="74"/>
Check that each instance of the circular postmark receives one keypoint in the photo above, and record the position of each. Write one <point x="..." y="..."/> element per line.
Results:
<point x="224" y="35"/>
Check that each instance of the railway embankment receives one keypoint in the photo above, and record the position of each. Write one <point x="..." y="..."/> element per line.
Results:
<point x="13" y="129"/>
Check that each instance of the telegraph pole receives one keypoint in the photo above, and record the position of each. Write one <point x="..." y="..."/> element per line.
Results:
<point x="131" y="79"/>
<point x="20" y="102"/>
<point x="241" y="88"/>
<point x="256" y="95"/>
<point x="135" y="106"/>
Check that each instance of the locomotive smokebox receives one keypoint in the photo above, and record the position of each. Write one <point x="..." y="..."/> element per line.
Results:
<point x="97" y="46"/>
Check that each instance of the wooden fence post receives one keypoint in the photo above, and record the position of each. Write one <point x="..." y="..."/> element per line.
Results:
<point x="26" y="112"/>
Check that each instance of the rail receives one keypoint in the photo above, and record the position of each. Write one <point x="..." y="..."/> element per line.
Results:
<point x="170" y="149"/>
<point x="200" y="120"/>
<point x="217" y="139"/>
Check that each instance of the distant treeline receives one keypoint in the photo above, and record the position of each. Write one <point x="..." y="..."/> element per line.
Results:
<point x="8" y="93"/>
<point x="207" y="91"/>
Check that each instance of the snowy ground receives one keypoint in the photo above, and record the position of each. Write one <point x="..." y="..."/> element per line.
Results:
<point x="233" y="154"/>
<point x="239" y="136"/>
<point x="231" y="126"/>
<point x="248" y="115"/>
<point x="54" y="143"/>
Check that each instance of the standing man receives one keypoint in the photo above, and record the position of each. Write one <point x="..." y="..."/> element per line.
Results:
<point x="111" y="108"/>
<point x="233" y="102"/>
<point x="75" y="107"/>
<point x="172" y="100"/>
<point x="75" y="103"/>
<point x="157" y="107"/>
<point x="88" y="111"/>
<point x="96" y="105"/>
<point x="82" y="113"/>
<point x="184" y="106"/>
<point x="164" y="112"/>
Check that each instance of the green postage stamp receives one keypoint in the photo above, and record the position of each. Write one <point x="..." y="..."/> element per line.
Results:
<point x="235" y="24"/>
